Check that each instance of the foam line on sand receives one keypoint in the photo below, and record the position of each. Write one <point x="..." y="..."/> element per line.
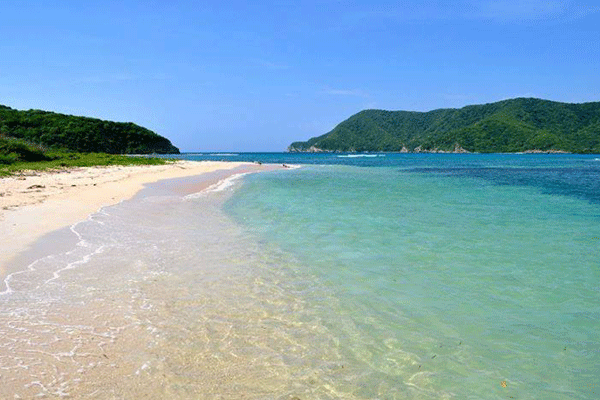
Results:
<point x="36" y="203"/>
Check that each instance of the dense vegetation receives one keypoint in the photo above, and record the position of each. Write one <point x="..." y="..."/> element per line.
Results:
<point x="14" y="150"/>
<point x="514" y="125"/>
<point x="54" y="131"/>
<point x="17" y="155"/>
<point x="37" y="140"/>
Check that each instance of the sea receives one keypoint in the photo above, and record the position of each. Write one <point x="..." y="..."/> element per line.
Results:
<point x="337" y="276"/>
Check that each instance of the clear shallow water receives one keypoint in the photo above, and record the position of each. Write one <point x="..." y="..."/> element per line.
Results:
<point x="409" y="277"/>
<point x="453" y="275"/>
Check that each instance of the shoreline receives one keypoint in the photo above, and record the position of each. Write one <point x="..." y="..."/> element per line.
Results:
<point x="91" y="313"/>
<point x="91" y="310"/>
<point x="38" y="203"/>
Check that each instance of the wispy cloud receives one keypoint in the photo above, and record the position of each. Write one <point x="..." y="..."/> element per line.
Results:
<point x="519" y="10"/>
<point x="457" y="96"/>
<point x="269" y="64"/>
<point x="345" y="92"/>
<point x="581" y="12"/>
<point x="119" y="77"/>
<point x="524" y="10"/>
<point x="502" y="11"/>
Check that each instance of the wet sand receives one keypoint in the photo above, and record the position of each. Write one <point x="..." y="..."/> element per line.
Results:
<point x="111" y="329"/>
<point x="36" y="203"/>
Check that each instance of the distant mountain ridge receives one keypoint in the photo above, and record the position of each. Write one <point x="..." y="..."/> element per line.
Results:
<point x="81" y="134"/>
<point x="515" y="125"/>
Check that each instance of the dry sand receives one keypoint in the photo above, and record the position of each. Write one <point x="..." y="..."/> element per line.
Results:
<point x="36" y="203"/>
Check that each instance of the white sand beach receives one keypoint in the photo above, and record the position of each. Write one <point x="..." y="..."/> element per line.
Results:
<point x="35" y="203"/>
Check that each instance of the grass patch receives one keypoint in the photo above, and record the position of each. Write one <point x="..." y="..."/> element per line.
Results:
<point x="70" y="160"/>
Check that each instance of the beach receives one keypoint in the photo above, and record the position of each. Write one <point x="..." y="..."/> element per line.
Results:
<point x="397" y="276"/>
<point x="33" y="203"/>
<point x="75" y="315"/>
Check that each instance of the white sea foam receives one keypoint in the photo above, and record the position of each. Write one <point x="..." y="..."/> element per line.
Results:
<point x="81" y="243"/>
<point x="84" y="260"/>
<point x="292" y="166"/>
<point x="360" y="155"/>
<point x="9" y="277"/>
<point x="217" y="187"/>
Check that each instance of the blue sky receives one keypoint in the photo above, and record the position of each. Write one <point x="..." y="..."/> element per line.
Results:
<point x="233" y="76"/>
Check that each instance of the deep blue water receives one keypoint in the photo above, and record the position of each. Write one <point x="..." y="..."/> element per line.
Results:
<point x="563" y="174"/>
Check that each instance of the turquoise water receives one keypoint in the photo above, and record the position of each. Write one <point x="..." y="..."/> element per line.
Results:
<point x="446" y="276"/>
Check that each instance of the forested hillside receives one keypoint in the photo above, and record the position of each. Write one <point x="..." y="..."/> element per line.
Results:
<point x="55" y="131"/>
<point x="516" y="125"/>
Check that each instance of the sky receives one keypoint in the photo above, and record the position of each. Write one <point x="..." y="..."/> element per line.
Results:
<point x="256" y="76"/>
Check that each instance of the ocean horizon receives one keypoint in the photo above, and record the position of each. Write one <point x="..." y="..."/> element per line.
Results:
<point x="353" y="276"/>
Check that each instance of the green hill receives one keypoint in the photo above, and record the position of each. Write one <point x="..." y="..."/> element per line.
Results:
<point x="48" y="130"/>
<point x="516" y="125"/>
